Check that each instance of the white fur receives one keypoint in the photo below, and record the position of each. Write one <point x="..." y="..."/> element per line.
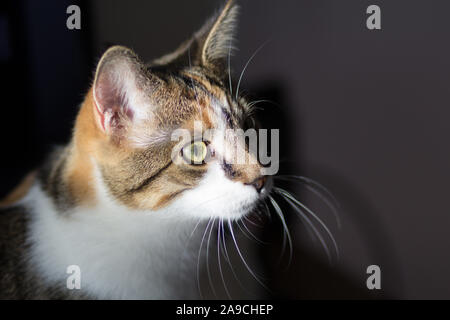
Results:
<point x="125" y="254"/>
<point x="218" y="196"/>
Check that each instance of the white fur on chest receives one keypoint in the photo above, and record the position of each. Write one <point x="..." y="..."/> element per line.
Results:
<point x="122" y="254"/>
<point x="130" y="254"/>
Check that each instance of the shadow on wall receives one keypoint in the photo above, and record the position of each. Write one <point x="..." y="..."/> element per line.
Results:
<point x="309" y="276"/>
<point x="356" y="208"/>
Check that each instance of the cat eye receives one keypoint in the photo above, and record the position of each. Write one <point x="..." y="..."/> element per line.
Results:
<point x="195" y="153"/>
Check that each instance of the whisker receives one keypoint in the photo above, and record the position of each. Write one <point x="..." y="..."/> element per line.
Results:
<point x="207" y="259"/>
<point x="199" y="256"/>
<point x="193" y="231"/>
<point x="291" y="197"/>
<point x="246" y="65"/>
<point x="267" y="210"/>
<point x="219" y="260"/>
<point x="190" y="236"/>
<point x="242" y="258"/>
<point x="329" y="199"/>
<point x="252" y="222"/>
<point x="286" y="234"/>
<point x="183" y="254"/>
<point x="316" y="232"/>
<point x="228" y="258"/>
<point x="255" y="214"/>
<point x="252" y="103"/>
<point x="229" y="68"/>
<point x="251" y="233"/>
<point x="243" y="232"/>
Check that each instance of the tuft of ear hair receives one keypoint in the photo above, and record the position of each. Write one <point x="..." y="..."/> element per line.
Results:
<point x="220" y="32"/>
<point x="210" y="46"/>
<point x="118" y="90"/>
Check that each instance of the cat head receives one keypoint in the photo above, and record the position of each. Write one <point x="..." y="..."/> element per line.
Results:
<point x="166" y="134"/>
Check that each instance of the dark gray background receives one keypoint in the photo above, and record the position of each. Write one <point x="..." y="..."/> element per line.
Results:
<point x="363" y="112"/>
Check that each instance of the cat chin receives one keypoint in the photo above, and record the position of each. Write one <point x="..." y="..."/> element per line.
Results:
<point x="233" y="215"/>
<point x="222" y="211"/>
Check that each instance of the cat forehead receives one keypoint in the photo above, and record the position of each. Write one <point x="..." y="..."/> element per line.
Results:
<point x="194" y="95"/>
<point x="187" y="99"/>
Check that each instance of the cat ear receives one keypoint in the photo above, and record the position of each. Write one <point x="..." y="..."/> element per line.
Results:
<point x="218" y="34"/>
<point x="117" y="90"/>
<point x="210" y="46"/>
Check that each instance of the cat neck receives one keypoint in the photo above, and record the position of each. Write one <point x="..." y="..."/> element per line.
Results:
<point x="121" y="253"/>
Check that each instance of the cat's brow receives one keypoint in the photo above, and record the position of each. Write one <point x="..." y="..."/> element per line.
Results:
<point x="204" y="76"/>
<point x="194" y="83"/>
<point x="195" y="80"/>
<point x="202" y="81"/>
<point x="190" y="82"/>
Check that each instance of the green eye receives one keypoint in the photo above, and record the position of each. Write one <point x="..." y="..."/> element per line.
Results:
<point x="195" y="153"/>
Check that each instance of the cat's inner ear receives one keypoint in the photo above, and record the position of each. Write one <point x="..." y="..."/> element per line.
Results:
<point x="118" y="94"/>
<point x="218" y="35"/>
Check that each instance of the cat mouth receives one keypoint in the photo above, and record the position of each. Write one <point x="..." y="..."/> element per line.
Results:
<point x="248" y="208"/>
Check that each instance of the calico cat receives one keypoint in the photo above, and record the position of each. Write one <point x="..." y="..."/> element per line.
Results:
<point x="117" y="201"/>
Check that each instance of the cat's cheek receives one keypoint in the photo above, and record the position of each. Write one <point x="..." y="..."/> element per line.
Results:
<point x="216" y="196"/>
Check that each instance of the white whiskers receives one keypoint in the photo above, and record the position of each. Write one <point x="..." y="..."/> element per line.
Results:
<point x="246" y="65"/>
<point x="219" y="232"/>
<point x="199" y="257"/>
<point x="300" y="208"/>
<point x="243" y="259"/>
<point x="316" y="226"/>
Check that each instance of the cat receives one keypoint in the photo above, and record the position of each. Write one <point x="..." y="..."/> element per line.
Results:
<point x="118" y="203"/>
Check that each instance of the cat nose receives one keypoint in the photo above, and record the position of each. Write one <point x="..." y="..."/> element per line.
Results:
<point x="259" y="183"/>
